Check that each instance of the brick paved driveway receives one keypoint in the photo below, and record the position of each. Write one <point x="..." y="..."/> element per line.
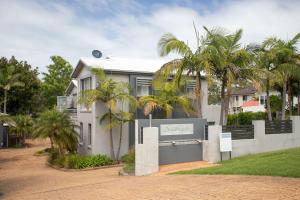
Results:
<point x="24" y="176"/>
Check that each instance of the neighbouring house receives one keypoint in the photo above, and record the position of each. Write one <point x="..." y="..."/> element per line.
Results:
<point x="93" y="136"/>
<point x="248" y="100"/>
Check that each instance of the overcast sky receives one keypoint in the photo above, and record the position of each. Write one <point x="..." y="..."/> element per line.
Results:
<point x="33" y="30"/>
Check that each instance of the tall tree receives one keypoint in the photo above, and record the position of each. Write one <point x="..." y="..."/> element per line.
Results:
<point x="286" y="62"/>
<point x="9" y="79"/>
<point x="192" y="62"/>
<point x="110" y="93"/>
<point x="228" y="61"/>
<point x="26" y="99"/>
<point x="56" y="80"/>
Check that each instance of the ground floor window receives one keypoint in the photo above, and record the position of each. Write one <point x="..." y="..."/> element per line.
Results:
<point x="81" y="132"/>
<point x="90" y="134"/>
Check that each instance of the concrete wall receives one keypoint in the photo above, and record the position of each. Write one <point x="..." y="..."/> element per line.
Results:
<point x="146" y="153"/>
<point x="260" y="143"/>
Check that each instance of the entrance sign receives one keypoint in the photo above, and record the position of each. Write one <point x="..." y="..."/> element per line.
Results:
<point x="225" y="142"/>
<point x="176" y="129"/>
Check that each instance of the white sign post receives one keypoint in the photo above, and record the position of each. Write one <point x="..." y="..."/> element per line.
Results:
<point x="225" y="143"/>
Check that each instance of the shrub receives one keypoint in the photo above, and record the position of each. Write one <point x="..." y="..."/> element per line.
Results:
<point x="245" y="118"/>
<point x="75" y="161"/>
<point x="129" y="160"/>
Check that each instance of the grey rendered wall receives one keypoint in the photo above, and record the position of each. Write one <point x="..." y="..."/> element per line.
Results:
<point x="260" y="143"/>
<point x="187" y="148"/>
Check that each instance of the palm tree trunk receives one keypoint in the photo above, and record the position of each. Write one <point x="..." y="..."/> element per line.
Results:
<point x="283" y="98"/>
<point x="51" y="143"/>
<point x="120" y="141"/>
<point x="5" y="101"/>
<point x="112" y="151"/>
<point x="269" y="112"/>
<point x="298" y="104"/>
<point x="199" y="94"/>
<point x="290" y="96"/>
<point x="224" y="83"/>
<point x="226" y="107"/>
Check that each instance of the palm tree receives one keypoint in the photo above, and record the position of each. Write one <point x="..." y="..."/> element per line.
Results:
<point x="265" y="74"/>
<point x="166" y="99"/>
<point x="22" y="126"/>
<point x="190" y="63"/>
<point x="9" y="79"/>
<point x="286" y="62"/>
<point x="110" y="93"/>
<point x="59" y="128"/>
<point x="228" y="62"/>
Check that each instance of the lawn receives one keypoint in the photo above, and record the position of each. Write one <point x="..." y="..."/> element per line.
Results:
<point x="276" y="163"/>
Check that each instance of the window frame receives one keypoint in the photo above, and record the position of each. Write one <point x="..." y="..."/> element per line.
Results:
<point x="89" y="134"/>
<point x="81" y="133"/>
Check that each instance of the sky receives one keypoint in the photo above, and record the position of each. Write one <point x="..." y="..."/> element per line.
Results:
<point x="34" y="30"/>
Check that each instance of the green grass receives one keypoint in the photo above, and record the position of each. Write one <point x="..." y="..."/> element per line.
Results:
<point x="277" y="163"/>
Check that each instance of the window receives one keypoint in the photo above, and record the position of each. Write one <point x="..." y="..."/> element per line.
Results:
<point x="81" y="133"/>
<point x="262" y="100"/>
<point x="90" y="134"/>
<point x="190" y="87"/>
<point x="85" y="84"/>
<point x="143" y="86"/>
<point x="245" y="98"/>
<point x="142" y="90"/>
<point x="236" y="98"/>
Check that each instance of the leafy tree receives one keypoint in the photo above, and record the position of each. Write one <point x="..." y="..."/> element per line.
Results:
<point x="110" y="93"/>
<point x="9" y="79"/>
<point x="190" y="63"/>
<point x="214" y="91"/>
<point x="166" y="99"/>
<point x="228" y="62"/>
<point x="286" y="62"/>
<point x="56" y="80"/>
<point x="59" y="128"/>
<point x="25" y="99"/>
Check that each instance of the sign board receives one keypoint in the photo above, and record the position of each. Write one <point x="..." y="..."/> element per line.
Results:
<point x="176" y="129"/>
<point x="225" y="142"/>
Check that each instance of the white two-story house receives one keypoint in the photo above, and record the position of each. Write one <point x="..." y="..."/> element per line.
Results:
<point x="94" y="137"/>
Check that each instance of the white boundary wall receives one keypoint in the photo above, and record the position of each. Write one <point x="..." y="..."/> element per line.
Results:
<point x="146" y="154"/>
<point x="260" y="143"/>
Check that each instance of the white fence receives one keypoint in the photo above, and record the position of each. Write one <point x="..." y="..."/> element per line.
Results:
<point x="261" y="143"/>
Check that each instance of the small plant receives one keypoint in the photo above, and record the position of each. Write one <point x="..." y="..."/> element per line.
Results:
<point x="75" y="161"/>
<point x="129" y="161"/>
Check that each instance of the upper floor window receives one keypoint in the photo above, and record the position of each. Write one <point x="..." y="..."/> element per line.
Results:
<point x="143" y="86"/>
<point x="236" y="98"/>
<point x="262" y="100"/>
<point x="85" y="84"/>
<point x="245" y="98"/>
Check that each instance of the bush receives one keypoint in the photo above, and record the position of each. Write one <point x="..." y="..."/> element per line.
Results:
<point x="245" y="118"/>
<point x="75" y="161"/>
<point x="129" y="160"/>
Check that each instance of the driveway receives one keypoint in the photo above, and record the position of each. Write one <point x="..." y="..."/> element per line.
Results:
<point x="24" y="176"/>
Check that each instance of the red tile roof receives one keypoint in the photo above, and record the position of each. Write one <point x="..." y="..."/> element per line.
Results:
<point x="250" y="103"/>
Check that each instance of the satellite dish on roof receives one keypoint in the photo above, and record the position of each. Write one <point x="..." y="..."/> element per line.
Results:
<point x="97" y="53"/>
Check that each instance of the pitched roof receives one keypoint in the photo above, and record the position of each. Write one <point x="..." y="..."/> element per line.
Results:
<point x="250" y="103"/>
<point x="72" y="84"/>
<point x="244" y="91"/>
<point x="116" y="64"/>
